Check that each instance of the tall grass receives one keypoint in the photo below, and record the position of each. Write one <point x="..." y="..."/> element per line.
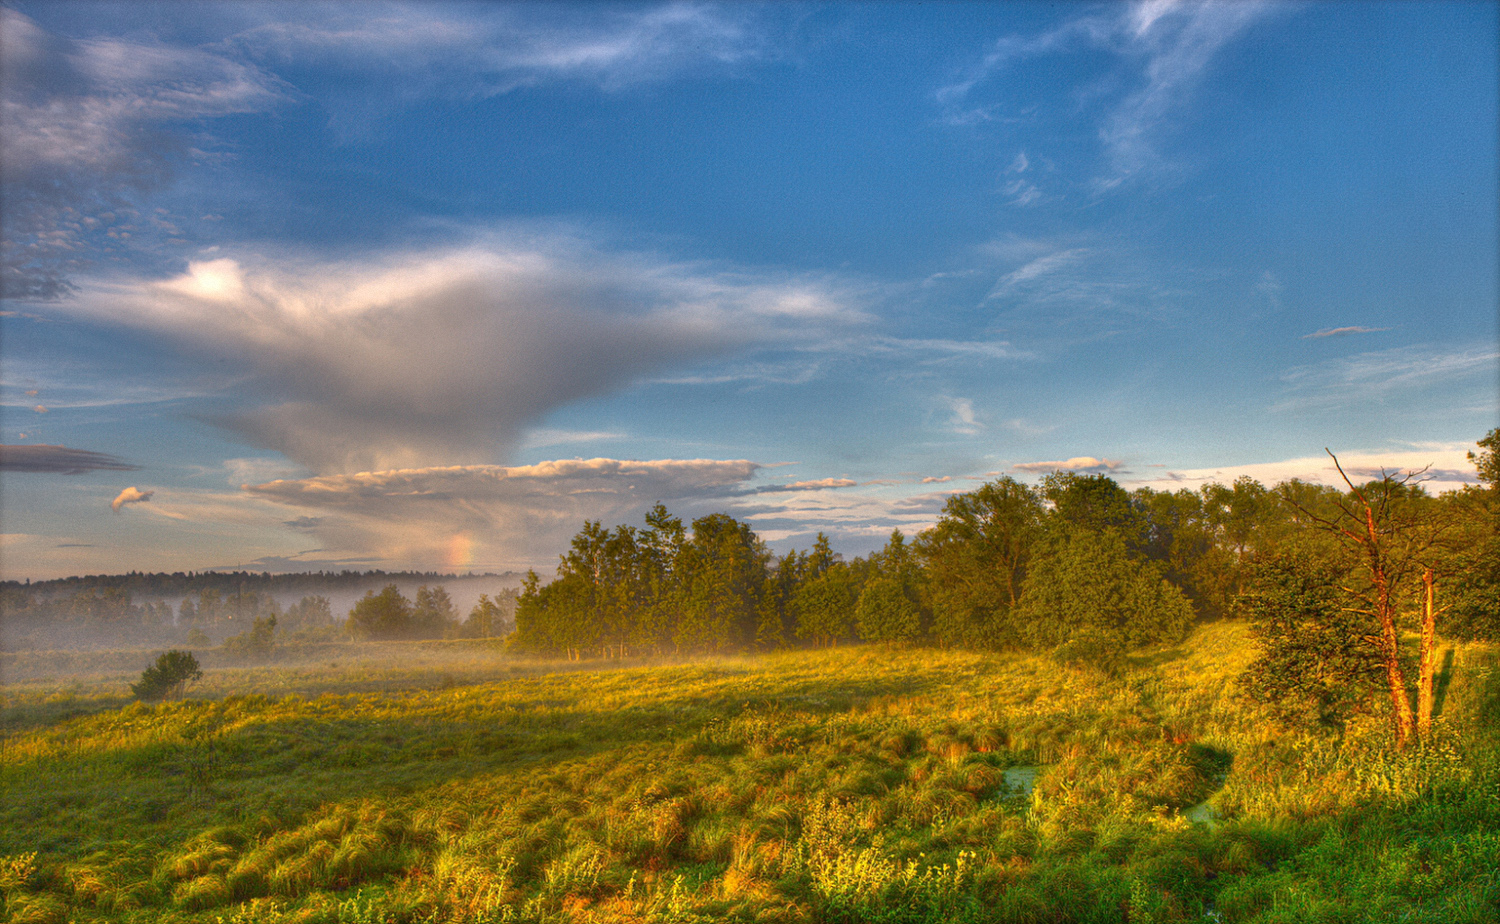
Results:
<point x="859" y="784"/>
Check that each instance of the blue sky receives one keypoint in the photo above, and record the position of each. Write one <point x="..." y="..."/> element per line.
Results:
<point x="302" y="286"/>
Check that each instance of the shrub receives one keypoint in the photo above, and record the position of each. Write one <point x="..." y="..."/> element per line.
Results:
<point x="169" y="677"/>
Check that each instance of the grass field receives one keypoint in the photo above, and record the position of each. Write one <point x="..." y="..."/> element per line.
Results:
<point x="450" y="783"/>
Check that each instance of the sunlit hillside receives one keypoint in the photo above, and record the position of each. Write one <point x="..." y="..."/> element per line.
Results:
<point x="449" y="783"/>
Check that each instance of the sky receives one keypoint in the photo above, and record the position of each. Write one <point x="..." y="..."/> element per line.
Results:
<point x="316" y="286"/>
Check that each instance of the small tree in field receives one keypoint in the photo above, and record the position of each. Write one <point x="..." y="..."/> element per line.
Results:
<point x="168" y="678"/>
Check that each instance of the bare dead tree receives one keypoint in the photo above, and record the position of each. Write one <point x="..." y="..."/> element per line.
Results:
<point x="1391" y="538"/>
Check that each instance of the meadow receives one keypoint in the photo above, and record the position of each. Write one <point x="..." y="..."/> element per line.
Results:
<point x="452" y="782"/>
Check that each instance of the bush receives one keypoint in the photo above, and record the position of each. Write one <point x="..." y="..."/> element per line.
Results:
<point x="168" y="678"/>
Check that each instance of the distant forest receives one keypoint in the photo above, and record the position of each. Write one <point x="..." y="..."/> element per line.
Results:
<point x="197" y="608"/>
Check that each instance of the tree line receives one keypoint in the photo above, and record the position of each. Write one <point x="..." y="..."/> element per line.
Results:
<point x="1333" y="579"/>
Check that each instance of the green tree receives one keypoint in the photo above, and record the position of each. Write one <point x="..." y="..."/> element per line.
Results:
<point x="723" y="571"/>
<point x="1387" y="533"/>
<point x="433" y="614"/>
<point x="169" y="677"/>
<point x="890" y="605"/>
<point x="1488" y="459"/>
<point x="383" y="615"/>
<point x="311" y="612"/>
<point x="824" y="605"/>
<point x="1315" y="661"/>
<point x="484" y="618"/>
<point x="1087" y="588"/>
<point x="975" y="560"/>
<point x="1095" y="503"/>
<point x="257" y="643"/>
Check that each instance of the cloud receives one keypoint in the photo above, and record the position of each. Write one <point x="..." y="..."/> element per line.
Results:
<point x="1342" y="332"/>
<point x="1175" y="44"/>
<point x="1447" y="468"/>
<point x="131" y="495"/>
<point x="1075" y="464"/>
<point x="1163" y="49"/>
<point x="520" y="516"/>
<point x="1037" y="268"/>
<point x="89" y="123"/>
<point x="59" y="460"/>
<point x="448" y="357"/>
<point x="963" y="420"/>
<point x="486" y="50"/>
<point x="820" y="484"/>
<point x="933" y="479"/>
<point x="538" y="439"/>
<point x="1361" y="377"/>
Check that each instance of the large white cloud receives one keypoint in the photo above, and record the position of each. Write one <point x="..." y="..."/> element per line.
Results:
<point x="447" y="357"/>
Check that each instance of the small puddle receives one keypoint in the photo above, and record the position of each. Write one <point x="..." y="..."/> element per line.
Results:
<point x="1020" y="780"/>
<point x="1202" y="814"/>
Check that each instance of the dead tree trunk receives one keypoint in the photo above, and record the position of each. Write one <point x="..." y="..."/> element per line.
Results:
<point x="1429" y="658"/>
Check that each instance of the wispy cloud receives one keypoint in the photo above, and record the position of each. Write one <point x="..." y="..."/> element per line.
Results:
<point x="59" y="460"/>
<point x="1163" y="49"/>
<point x="538" y="439"/>
<point x="1359" y="378"/>
<point x="821" y="484"/>
<point x="450" y="356"/>
<point x="962" y="420"/>
<point x="1037" y="268"/>
<point x="488" y="49"/>
<point x="1342" y="332"/>
<point x="90" y="122"/>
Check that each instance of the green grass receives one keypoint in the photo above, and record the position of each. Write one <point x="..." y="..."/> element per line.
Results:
<point x="449" y="783"/>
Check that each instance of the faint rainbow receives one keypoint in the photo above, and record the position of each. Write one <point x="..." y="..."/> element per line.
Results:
<point x="460" y="551"/>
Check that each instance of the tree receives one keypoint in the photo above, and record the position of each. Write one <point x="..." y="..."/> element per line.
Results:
<point x="169" y="677"/>
<point x="1094" y="503"/>
<point x="484" y="618"/>
<point x="1387" y="532"/>
<point x="890" y="604"/>
<point x="1086" y="586"/>
<point x="975" y="559"/>
<point x="257" y="642"/>
<point x="824" y="605"/>
<point x="386" y="615"/>
<point x="1472" y="562"/>
<point x="1488" y="460"/>
<point x="308" y="613"/>
<point x="1314" y="658"/>
<point x="722" y="573"/>
<point x="433" y="615"/>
